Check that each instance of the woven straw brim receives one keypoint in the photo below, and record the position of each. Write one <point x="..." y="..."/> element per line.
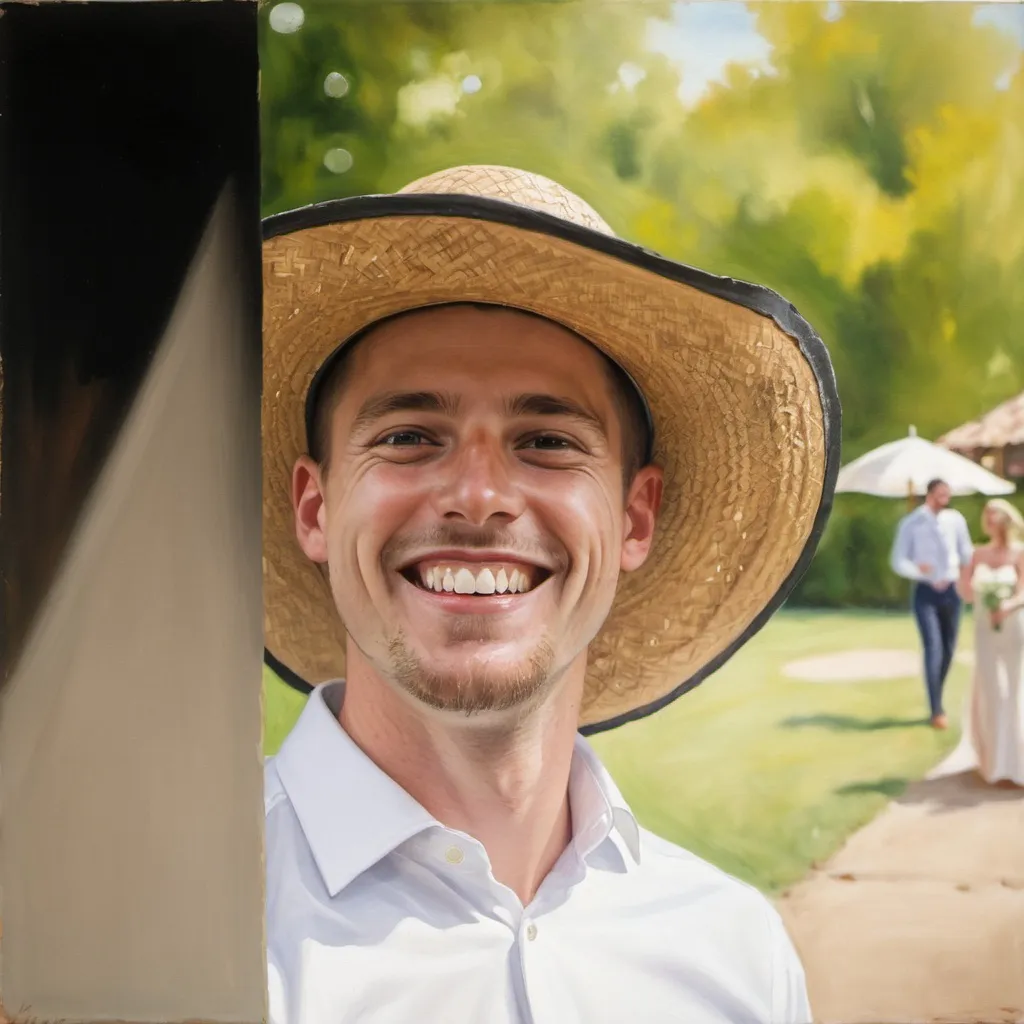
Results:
<point x="744" y="414"/>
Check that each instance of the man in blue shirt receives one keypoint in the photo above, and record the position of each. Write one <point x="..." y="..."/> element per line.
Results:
<point x="932" y="543"/>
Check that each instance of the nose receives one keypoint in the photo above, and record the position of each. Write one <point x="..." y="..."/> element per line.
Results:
<point x="479" y="485"/>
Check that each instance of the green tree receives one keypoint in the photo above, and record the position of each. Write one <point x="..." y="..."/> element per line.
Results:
<point x="872" y="175"/>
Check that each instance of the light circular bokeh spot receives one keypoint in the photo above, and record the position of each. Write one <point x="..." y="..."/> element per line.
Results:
<point x="338" y="160"/>
<point x="336" y="85"/>
<point x="287" y="18"/>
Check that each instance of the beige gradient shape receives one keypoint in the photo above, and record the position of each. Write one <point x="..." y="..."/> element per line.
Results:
<point x="131" y="856"/>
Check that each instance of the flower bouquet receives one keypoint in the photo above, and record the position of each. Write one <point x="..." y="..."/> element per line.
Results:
<point x="991" y="593"/>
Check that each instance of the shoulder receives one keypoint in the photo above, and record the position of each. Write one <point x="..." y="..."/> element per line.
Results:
<point x="953" y="519"/>
<point x="738" y="928"/>
<point x="742" y="908"/>
<point x="952" y="515"/>
<point x="694" y="915"/>
<point x="667" y="858"/>
<point x="910" y="519"/>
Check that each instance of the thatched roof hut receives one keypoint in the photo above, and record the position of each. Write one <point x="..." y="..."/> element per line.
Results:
<point x="996" y="439"/>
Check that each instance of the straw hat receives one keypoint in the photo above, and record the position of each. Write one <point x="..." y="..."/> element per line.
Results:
<point x="741" y="392"/>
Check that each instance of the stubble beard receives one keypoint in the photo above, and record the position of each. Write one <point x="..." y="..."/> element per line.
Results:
<point x="477" y="688"/>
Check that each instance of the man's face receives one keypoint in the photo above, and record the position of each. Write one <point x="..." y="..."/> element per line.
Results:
<point x="940" y="496"/>
<point x="473" y="515"/>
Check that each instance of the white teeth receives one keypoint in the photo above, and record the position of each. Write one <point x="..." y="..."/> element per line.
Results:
<point x="464" y="582"/>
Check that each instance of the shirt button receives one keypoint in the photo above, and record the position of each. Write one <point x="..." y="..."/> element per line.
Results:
<point x="453" y="855"/>
<point x="531" y="931"/>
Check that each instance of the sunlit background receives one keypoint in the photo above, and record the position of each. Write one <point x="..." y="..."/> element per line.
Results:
<point x="864" y="159"/>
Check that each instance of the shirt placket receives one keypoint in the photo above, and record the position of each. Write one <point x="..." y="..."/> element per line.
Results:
<point x="465" y="863"/>
<point x="941" y="552"/>
<point x="543" y="1005"/>
<point x="531" y="937"/>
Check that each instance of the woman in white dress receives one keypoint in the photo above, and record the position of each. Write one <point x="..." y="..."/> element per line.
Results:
<point x="994" y="722"/>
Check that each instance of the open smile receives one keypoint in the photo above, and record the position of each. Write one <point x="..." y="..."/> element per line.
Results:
<point x="497" y="579"/>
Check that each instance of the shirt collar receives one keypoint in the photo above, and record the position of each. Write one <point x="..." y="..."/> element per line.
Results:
<point x="353" y="814"/>
<point x="598" y="808"/>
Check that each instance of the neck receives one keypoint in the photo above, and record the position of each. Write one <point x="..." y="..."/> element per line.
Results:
<point x="502" y="779"/>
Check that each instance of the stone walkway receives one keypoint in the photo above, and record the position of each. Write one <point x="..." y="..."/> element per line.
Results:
<point x="920" y="917"/>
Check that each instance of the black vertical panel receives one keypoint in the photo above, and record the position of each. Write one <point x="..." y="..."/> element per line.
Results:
<point x="120" y="125"/>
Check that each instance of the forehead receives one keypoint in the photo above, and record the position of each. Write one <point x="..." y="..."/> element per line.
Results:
<point x="453" y="347"/>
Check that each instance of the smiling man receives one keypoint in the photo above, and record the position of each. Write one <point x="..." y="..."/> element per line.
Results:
<point x="522" y="480"/>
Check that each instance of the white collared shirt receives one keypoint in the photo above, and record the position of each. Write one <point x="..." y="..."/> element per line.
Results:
<point x="940" y="540"/>
<point x="377" y="913"/>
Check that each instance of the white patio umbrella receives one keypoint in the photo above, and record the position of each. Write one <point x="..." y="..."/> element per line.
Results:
<point x="903" y="469"/>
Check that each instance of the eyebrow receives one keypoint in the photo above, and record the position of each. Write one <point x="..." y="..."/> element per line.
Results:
<point x="551" y="405"/>
<point x="448" y="404"/>
<point x="404" y="401"/>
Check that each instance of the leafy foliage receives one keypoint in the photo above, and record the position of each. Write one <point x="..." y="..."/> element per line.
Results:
<point x="871" y="174"/>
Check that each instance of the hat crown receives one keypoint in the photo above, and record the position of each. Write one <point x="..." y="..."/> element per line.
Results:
<point x="511" y="185"/>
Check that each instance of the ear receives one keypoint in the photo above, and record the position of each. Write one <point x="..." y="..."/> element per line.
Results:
<point x="643" y="503"/>
<point x="308" y="503"/>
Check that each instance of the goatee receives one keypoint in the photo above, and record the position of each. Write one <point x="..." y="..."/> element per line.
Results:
<point x="479" y="687"/>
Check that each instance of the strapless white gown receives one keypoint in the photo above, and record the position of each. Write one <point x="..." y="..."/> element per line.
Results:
<point x="993" y="731"/>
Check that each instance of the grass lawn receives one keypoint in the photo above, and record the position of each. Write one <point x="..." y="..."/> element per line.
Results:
<point x="760" y="774"/>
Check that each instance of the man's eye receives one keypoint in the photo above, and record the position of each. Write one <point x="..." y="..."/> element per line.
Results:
<point x="548" y="443"/>
<point x="402" y="439"/>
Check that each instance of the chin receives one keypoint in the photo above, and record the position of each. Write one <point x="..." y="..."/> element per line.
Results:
<point x="472" y="675"/>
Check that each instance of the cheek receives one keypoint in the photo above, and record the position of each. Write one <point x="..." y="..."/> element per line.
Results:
<point x="587" y="518"/>
<point x="374" y="506"/>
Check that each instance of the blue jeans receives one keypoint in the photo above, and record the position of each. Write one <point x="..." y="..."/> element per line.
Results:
<point x="938" y="620"/>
